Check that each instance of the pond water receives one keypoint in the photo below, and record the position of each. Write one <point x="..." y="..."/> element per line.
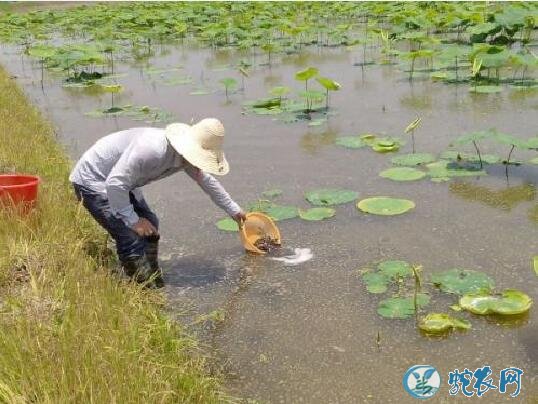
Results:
<point x="310" y="333"/>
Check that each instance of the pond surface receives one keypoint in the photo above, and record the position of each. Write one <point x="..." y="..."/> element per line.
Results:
<point x="310" y="333"/>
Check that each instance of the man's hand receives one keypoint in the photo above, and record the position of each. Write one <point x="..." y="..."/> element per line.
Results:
<point x="144" y="228"/>
<point x="239" y="218"/>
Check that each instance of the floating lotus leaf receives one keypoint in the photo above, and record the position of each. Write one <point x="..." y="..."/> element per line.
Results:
<point x="401" y="307"/>
<point x="471" y="157"/>
<point x="394" y="269"/>
<point x="461" y="281"/>
<point x="351" y="142"/>
<point x="272" y="193"/>
<point x="532" y="143"/>
<point x="438" y="323"/>
<point x="375" y="282"/>
<point x="510" y="302"/>
<point x="386" y="144"/>
<point x="510" y="140"/>
<point x="316" y="213"/>
<point x="534" y="160"/>
<point x="327" y="197"/>
<point x="385" y="206"/>
<point x="535" y="263"/>
<point x="227" y="224"/>
<point x="259" y="206"/>
<point x="402" y="174"/>
<point x="277" y="212"/>
<point x="485" y="89"/>
<point x="446" y="169"/>
<point x="414" y="159"/>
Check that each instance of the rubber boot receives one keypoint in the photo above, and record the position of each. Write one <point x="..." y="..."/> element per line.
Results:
<point x="139" y="270"/>
<point x="152" y="254"/>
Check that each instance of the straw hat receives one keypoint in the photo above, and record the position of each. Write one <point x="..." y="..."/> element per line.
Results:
<point x="200" y="144"/>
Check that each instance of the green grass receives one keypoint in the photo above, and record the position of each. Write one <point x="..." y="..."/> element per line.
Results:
<point x="70" y="332"/>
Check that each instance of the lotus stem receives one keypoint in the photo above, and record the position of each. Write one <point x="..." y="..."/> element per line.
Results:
<point x="478" y="152"/>
<point x="413" y="139"/>
<point x="510" y="154"/>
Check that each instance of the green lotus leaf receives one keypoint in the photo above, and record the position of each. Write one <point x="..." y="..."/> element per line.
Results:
<point x="413" y="159"/>
<point x="227" y="224"/>
<point x="461" y="281"/>
<point x="385" y="206"/>
<point x="328" y="83"/>
<point x="510" y="302"/>
<point x="375" y="282"/>
<point x="485" y="89"/>
<point x="260" y="205"/>
<point x="394" y="269"/>
<point x="350" y="142"/>
<point x="278" y="212"/>
<point x="446" y="169"/>
<point x="471" y="157"/>
<point x="534" y="160"/>
<point x="272" y="193"/>
<point x="316" y="213"/>
<point x="474" y="137"/>
<point x="306" y="74"/>
<point x="401" y="307"/>
<point x="402" y="174"/>
<point x="112" y="88"/>
<point x="535" y="264"/>
<point x="328" y="197"/>
<point x="438" y="323"/>
<point x="532" y="143"/>
<point x="385" y="149"/>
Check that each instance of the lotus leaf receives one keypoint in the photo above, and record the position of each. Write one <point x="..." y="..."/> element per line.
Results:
<point x="401" y="307"/>
<point x="458" y="156"/>
<point x="227" y="224"/>
<point x="402" y="174"/>
<point x="260" y="205"/>
<point x="534" y="160"/>
<point x="327" y="197"/>
<point x="328" y="83"/>
<point x="394" y="269"/>
<point x="316" y="213"/>
<point x="438" y="323"/>
<point x="375" y="282"/>
<point x="277" y="212"/>
<point x="510" y="302"/>
<point x="535" y="263"/>
<point x="306" y="74"/>
<point x="413" y="159"/>
<point x="385" y="206"/>
<point x="461" y="281"/>
<point x="445" y="169"/>
<point x="485" y="89"/>
<point x="350" y="142"/>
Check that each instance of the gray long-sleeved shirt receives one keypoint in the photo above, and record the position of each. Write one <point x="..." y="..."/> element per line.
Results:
<point x="124" y="161"/>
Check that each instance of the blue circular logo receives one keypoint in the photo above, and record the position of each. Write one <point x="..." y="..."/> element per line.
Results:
<point x="421" y="381"/>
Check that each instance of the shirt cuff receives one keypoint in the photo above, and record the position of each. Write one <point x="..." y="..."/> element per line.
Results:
<point x="128" y="216"/>
<point x="233" y="209"/>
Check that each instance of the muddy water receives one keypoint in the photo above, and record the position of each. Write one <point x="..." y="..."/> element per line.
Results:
<point x="308" y="333"/>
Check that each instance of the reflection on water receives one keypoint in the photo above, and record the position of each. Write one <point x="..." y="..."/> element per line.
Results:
<point x="504" y="199"/>
<point x="313" y="141"/>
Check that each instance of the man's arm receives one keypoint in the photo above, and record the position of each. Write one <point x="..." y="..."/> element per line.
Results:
<point x="216" y="191"/>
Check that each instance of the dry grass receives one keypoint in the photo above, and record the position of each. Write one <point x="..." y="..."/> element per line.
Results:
<point x="69" y="332"/>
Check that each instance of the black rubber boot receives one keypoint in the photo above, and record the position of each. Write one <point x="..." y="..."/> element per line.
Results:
<point x="139" y="270"/>
<point x="152" y="251"/>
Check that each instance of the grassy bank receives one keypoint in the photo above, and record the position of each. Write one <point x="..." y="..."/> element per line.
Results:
<point x="69" y="333"/>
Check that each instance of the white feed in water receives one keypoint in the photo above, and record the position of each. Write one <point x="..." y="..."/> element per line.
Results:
<point x="301" y="255"/>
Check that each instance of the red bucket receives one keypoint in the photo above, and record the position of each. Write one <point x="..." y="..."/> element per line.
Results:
<point x="19" y="190"/>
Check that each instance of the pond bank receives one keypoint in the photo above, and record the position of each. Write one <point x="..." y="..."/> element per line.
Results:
<point x="68" y="331"/>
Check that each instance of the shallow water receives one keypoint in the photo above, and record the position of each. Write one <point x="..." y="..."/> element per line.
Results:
<point x="309" y="333"/>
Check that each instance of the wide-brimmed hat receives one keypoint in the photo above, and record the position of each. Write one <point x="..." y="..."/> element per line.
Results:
<point x="200" y="144"/>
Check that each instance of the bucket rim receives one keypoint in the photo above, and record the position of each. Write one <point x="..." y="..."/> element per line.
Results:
<point x="32" y="180"/>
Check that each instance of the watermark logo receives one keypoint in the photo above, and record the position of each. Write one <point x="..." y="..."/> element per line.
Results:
<point x="422" y="381"/>
<point x="480" y="381"/>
